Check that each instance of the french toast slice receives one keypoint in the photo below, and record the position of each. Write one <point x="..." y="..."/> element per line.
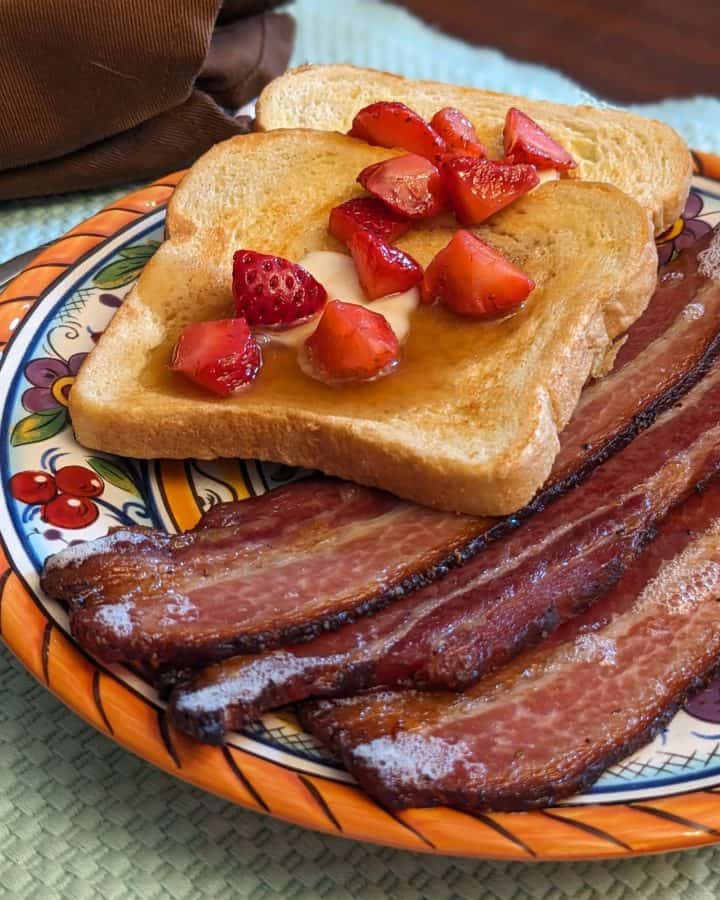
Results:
<point x="468" y="421"/>
<point x="645" y="158"/>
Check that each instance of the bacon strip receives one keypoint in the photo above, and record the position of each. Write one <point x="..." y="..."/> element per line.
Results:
<point x="548" y="725"/>
<point x="508" y="597"/>
<point x="666" y="351"/>
<point x="144" y="597"/>
<point x="250" y="574"/>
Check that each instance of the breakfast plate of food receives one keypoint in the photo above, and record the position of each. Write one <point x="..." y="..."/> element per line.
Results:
<point x="366" y="474"/>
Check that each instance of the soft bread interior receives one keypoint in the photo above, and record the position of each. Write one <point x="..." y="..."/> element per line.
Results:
<point x="470" y="424"/>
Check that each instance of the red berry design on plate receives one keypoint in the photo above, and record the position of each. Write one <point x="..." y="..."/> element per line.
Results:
<point x="33" y="487"/>
<point x="66" y="511"/>
<point x="65" y="496"/>
<point x="706" y="704"/>
<point x="273" y="292"/>
<point x="79" y="481"/>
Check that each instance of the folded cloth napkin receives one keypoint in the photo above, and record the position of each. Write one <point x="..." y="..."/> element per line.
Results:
<point x="106" y="91"/>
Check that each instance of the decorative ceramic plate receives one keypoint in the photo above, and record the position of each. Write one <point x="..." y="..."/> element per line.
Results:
<point x="665" y="796"/>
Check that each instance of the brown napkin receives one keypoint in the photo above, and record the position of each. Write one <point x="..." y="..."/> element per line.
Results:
<point x="99" y="92"/>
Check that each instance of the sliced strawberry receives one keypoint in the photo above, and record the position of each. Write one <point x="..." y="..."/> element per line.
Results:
<point x="351" y="343"/>
<point x="472" y="279"/>
<point x="390" y="124"/>
<point x="368" y="213"/>
<point x="382" y="269"/>
<point x="526" y="142"/>
<point x="477" y="188"/>
<point x="410" y="185"/>
<point x="458" y="132"/>
<point x="273" y="292"/>
<point x="220" y="356"/>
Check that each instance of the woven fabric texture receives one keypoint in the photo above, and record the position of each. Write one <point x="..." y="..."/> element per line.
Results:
<point x="81" y="818"/>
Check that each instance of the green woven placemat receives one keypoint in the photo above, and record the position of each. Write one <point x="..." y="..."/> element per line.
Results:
<point x="81" y="818"/>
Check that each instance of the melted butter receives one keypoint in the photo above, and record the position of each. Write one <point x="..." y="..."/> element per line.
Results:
<point x="336" y="272"/>
<point x="546" y="175"/>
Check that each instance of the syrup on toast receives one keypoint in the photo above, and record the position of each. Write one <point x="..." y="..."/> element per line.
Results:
<point x="470" y="419"/>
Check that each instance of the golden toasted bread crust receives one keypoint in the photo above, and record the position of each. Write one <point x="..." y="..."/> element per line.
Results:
<point x="478" y="436"/>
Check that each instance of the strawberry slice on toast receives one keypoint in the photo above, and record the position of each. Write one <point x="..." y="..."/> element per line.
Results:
<point x="526" y="142"/>
<point x="273" y="292"/>
<point x="382" y="269"/>
<point x="473" y="279"/>
<point x="409" y="185"/>
<point x="368" y="213"/>
<point x="391" y="124"/>
<point x="478" y="188"/>
<point x="221" y="357"/>
<point x="350" y="343"/>
<point x="458" y="132"/>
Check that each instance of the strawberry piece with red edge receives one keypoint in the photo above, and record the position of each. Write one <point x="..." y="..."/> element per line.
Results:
<point x="478" y="188"/>
<point x="368" y="213"/>
<point x="458" y="132"/>
<point x="382" y="269"/>
<point x="473" y="279"/>
<point x="410" y="185"/>
<point x="391" y="124"/>
<point x="350" y="343"/>
<point x="526" y="142"/>
<point x="273" y="292"/>
<point x="220" y="356"/>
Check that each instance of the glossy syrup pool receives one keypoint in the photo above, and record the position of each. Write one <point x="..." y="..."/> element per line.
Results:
<point x="436" y="350"/>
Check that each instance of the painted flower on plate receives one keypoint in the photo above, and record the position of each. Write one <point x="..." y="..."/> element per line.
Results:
<point x="51" y="380"/>
<point x="684" y="232"/>
<point x="46" y="399"/>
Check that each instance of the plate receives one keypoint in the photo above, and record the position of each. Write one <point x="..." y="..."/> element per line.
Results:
<point x="664" y="797"/>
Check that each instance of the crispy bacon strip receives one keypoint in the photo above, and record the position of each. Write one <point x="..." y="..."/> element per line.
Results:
<point x="518" y="590"/>
<point x="280" y="566"/>
<point x="144" y="597"/>
<point x="665" y="352"/>
<point x="548" y="725"/>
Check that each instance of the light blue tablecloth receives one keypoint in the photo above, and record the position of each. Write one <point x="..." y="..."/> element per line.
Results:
<point x="81" y="818"/>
